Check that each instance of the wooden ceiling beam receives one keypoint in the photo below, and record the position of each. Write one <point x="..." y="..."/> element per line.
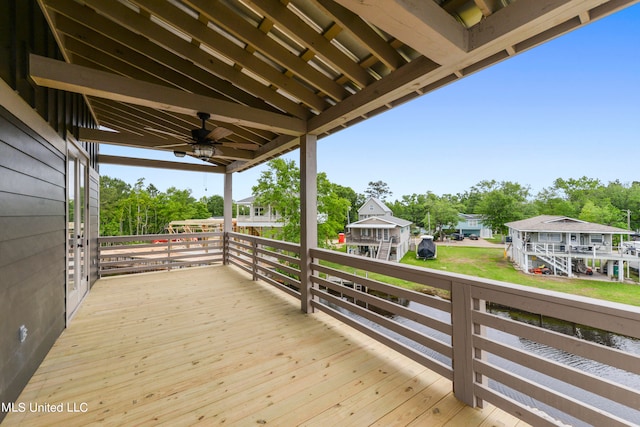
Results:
<point x="272" y="149"/>
<point x="60" y="75"/>
<point x="374" y="96"/>
<point x="113" y="55"/>
<point x="159" y="164"/>
<point x="126" y="139"/>
<point x="524" y="19"/>
<point x="176" y="124"/>
<point x="362" y="32"/>
<point x="201" y="32"/>
<point x="210" y="71"/>
<point x="298" y="30"/>
<point x="225" y="18"/>
<point x="156" y="143"/>
<point x="423" y="25"/>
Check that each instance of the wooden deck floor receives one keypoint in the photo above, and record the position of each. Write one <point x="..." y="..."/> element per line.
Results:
<point x="209" y="345"/>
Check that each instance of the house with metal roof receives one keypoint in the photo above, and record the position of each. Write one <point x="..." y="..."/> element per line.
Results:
<point x="561" y="245"/>
<point x="377" y="233"/>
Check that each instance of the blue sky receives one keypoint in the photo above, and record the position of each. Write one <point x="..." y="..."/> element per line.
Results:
<point x="566" y="109"/>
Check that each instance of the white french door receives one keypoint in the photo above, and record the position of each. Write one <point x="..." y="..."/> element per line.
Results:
<point x="77" y="235"/>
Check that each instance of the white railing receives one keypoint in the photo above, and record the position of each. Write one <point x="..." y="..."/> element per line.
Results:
<point x="152" y="252"/>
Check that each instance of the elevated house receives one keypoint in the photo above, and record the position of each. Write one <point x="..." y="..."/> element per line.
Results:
<point x="568" y="246"/>
<point x="377" y="233"/>
<point x="236" y="84"/>
<point x="255" y="219"/>
<point x="469" y="224"/>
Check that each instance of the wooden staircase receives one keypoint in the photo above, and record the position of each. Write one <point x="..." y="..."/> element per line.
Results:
<point x="384" y="250"/>
<point x="553" y="262"/>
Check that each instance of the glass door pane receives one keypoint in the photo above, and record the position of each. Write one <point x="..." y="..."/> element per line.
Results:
<point x="71" y="217"/>
<point x="77" y="242"/>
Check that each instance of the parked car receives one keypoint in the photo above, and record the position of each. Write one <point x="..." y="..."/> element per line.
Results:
<point x="457" y="236"/>
<point x="473" y="236"/>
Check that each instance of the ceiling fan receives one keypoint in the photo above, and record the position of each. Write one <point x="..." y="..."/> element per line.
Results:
<point x="204" y="141"/>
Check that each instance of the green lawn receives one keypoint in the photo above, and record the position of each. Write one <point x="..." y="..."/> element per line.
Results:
<point x="491" y="263"/>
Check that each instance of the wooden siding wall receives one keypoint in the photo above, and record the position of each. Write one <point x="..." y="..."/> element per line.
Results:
<point x="32" y="251"/>
<point x="24" y="30"/>
<point x="33" y="196"/>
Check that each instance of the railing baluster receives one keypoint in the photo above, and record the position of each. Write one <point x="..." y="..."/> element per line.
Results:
<point x="254" y="246"/>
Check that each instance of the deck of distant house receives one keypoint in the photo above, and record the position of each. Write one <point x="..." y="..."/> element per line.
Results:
<point x="210" y="345"/>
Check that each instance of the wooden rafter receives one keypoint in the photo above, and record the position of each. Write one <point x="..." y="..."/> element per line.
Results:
<point x="272" y="70"/>
<point x="59" y="75"/>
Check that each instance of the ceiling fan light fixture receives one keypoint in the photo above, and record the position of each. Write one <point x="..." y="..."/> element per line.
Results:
<point x="204" y="151"/>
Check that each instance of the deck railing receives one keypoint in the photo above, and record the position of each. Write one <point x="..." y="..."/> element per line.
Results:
<point x="273" y="261"/>
<point x="152" y="252"/>
<point x="455" y="335"/>
<point x="594" y="250"/>
<point x="453" y="330"/>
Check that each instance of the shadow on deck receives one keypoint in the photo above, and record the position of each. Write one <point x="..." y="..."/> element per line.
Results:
<point x="210" y="345"/>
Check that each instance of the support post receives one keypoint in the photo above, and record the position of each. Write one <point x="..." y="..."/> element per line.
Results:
<point x="464" y="353"/>
<point x="228" y="216"/>
<point x="308" y="217"/>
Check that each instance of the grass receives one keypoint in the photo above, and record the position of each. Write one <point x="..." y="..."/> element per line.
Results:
<point x="490" y="263"/>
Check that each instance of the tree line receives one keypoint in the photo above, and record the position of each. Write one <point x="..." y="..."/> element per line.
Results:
<point x="143" y="209"/>
<point x="616" y="204"/>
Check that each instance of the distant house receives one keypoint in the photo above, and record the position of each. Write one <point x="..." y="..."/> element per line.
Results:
<point x="561" y="245"/>
<point x="255" y="219"/>
<point x="377" y="233"/>
<point x="469" y="224"/>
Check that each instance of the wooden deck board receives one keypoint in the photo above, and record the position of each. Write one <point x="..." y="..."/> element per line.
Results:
<point x="209" y="345"/>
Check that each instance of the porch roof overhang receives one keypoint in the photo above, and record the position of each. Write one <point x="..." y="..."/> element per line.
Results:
<point x="381" y="226"/>
<point x="560" y="224"/>
<point x="269" y="71"/>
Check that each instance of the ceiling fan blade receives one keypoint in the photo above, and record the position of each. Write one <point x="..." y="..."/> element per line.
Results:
<point x="219" y="133"/>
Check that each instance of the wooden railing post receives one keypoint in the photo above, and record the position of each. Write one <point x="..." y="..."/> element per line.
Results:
<point x="308" y="217"/>
<point x="225" y="248"/>
<point x="254" y="263"/>
<point x="462" y="306"/>
<point x="227" y="226"/>
<point x="169" y="260"/>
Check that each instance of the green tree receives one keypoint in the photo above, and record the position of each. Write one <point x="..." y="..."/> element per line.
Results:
<point x="504" y="202"/>
<point x="550" y="202"/>
<point x="112" y="192"/>
<point x="606" y="214"/>
<point x="355" y="201"/>
<point x="442" y="214"/>
<point x="412" y="208"/>
<point x="332" y="210"/>
<point x="215" y="205"/>
<point x="177" y="205"/>
<point x="378" y="189"/>
<point x="279" y="187"/>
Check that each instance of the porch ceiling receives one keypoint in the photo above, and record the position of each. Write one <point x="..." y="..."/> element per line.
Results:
<point x="272" y="70"/>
